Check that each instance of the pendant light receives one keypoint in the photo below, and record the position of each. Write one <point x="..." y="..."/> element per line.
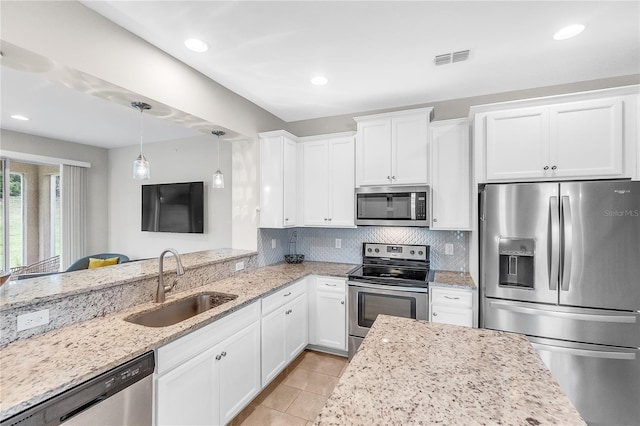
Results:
<point x="218" y="177"/>
<point x="141" y="166"/>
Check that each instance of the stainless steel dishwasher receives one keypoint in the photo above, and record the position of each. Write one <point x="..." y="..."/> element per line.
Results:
<point x="121" y="396"/>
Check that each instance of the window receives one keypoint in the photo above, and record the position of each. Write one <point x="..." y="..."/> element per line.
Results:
<point x="30" y="216"/>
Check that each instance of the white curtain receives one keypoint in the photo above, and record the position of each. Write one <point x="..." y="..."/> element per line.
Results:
<point x="73" y="187"/>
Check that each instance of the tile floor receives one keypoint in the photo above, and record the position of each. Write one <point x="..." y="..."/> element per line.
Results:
<point x="297" y="395"/>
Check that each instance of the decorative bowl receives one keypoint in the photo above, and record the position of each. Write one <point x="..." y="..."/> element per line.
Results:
<point x="293" y="258"/>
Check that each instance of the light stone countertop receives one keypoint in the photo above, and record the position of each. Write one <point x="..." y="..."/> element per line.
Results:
<point x="410" y="372"/>
<point x="453" y="279"/>
<point x="15" y="294"/>
<point x="35" y="369"/>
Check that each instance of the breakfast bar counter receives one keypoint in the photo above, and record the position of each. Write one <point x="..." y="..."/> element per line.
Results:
<point x="416" y="372"/>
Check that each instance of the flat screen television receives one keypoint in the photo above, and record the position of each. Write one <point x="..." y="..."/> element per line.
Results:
<point x="173" y="207"/>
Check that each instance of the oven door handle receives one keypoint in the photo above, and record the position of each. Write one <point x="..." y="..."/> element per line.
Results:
<point x="367" y="284"/>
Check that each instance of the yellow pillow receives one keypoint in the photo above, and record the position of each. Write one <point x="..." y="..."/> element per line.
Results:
<point x="99" y="263"/>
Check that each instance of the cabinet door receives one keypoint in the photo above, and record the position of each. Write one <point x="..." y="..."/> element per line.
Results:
<point x="409" y="149"/>
<point x="586" y="138"/>
<point x="449" y="315"/>
<point x="517" y="145"/>
<point x="271" y="182"/>
<point x="239" y="371"/>
<point x="331" y="320"/>
<point x="316" y="183"/>
<point x="188" y="395"/>
<point x="450" y="175"/>
<point x="373" y="150"/>
<point x="274" y="344"/>
<point x="341" y="177"/>
<point x="297" y="322"/>
<point x="290" y="183"/>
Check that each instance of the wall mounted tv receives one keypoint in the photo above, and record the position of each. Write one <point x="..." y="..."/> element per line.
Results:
<point x="173" y="207"/>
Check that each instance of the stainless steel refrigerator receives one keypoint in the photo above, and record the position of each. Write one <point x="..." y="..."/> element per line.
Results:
<point x="560" y="262"/>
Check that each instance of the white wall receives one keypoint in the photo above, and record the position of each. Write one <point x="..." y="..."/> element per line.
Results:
<point x="97" y="174"/>
<point x="183" y="160"/>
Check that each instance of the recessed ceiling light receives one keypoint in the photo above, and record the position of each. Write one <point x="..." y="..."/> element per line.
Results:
<point x="319" y="80"/>
<point x="568" y="32"/>
<point x="20" y="117"/>
<point x="196" y="45"/>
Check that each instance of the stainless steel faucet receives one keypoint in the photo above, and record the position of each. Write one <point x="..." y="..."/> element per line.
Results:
<point x="162" y="289"/>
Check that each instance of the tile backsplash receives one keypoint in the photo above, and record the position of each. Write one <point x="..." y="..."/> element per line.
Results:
<point x="319" y="244"/>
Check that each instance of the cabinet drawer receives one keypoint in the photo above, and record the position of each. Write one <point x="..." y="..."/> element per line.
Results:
<point x="335" y="285"/>
<point x="187" y="347"/>
<point x="451" y="297"/>
<point x="283" y="296"/>
<point x="454" y="316"/>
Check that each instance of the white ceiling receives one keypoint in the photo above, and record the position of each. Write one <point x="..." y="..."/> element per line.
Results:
<point x="380" y="54"/>
<point x="376" y="55"/>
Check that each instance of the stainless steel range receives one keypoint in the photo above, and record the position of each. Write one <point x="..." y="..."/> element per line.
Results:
<point x="392" y="280"/>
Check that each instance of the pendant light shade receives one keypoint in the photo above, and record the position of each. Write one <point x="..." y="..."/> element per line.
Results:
<point x="141" y="166"/>
<point x="218" y="177"/>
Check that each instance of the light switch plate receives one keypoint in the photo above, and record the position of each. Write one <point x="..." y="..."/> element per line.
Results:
<point x="273" y="243"/>
<point x="239" y="266"/>
<point x="33" y="319"/>
<point x="338" y="243"/>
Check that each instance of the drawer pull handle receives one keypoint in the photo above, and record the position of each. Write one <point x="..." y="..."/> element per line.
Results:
<point x="287" y="294"/>
<point x="452" y="298"/>
<point x="435" y="314"/>
<point x="342" y="302"/>
<point x="223" y="354"/>
<point x="218" y="357"/>
<point x="330" y="285"/>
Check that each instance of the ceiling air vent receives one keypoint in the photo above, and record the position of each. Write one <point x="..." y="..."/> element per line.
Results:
<point x="460" y="56"/>
<point x="443" y="59"/>
<point x="449" y="58"/>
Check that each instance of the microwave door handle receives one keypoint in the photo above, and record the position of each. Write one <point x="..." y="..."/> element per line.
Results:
<point x="413" y="206"/>
<point x="566" y="242"/>
<point x="554" y="237"/>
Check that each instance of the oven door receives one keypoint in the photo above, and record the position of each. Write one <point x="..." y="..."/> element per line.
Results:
<point x="367" y="301"/>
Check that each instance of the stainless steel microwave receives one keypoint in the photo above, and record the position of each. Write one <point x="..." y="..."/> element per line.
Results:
<point x="393" y="205"/>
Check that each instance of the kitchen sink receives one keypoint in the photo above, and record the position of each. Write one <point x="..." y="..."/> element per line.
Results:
<point x="180" y="310"/>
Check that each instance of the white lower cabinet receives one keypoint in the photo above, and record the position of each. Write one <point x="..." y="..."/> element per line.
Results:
<point x="284" y="329"/>
<point x="451" y="306"/>
<point x="328" y="313"/>
<point x="208" y="376"/>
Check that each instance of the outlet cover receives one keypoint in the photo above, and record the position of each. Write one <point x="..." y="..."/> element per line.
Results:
<point x="448" y="249"/>
<point x="338" y="243"/>
<point x="273" y="243"/>
<point x="239" y="266"/>
<point x="33" y="319"/>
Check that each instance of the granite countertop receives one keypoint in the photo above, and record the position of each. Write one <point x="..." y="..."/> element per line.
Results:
<point x="35" y="369"/>
<point x="416" y="372"/>
<point x="453" y="279"/>
<point x="15" y="293"/>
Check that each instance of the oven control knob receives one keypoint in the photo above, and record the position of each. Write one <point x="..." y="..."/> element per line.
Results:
<point x="369" y="250"/>
<point x="420" y="253"/>
<point x="377" y="250"/>
<point x="412" y="252"/>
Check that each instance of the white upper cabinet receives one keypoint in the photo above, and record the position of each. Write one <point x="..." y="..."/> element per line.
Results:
<point x="586" y="135"/>
<point x="591" y="128"/>
<point x="450" y="174"/>
<point x="278" y="180"/>
<point x="391" y="149"/>
<point x="328" y="176"/>
<point x="517" y="144"/>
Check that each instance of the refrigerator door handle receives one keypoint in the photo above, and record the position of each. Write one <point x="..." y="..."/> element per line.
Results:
<point x="554" y="257"/>
<point x="566" y="242"/>
<point x="585" y="352"/>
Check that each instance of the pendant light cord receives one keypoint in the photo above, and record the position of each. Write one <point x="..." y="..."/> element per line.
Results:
<point x="141" y="128"/>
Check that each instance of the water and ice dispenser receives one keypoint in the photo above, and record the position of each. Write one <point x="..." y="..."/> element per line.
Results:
<point x="516" y="262"/>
